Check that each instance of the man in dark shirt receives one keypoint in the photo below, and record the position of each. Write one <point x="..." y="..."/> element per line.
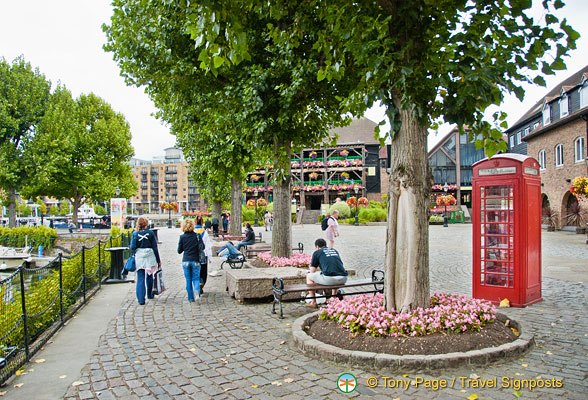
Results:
<point x="332" y="271"/>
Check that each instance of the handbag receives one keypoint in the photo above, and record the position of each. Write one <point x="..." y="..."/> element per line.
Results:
<point x="158" y="282"/>
<point x="130" y="264"/>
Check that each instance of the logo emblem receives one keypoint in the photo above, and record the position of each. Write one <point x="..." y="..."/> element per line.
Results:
<point x="346" y="383"/>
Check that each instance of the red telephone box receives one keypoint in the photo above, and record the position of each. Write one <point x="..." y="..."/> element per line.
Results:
<point x="507" y="229"/>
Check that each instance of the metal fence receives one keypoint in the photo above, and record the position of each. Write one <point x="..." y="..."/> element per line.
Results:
<point x="36" y="302"/>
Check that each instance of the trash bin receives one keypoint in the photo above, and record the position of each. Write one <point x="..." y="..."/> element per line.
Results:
<point x="116" y="264"/>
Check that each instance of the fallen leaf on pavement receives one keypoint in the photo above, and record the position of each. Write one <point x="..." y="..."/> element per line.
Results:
<point x="77" y="383"/>
<point x="40" y="360"/>
<point x="472" y="397"/>
<point x="474" y="376"/>
<point x="2" y="394"/>
<point x="254" y="386"/>
<point x="18" y="385"/>
<point x="288" y="380"/>
<point x="277" y="383"/>
<point x="548" y="352"/>
<point x="282" y="342"/>
<point x="63" y="377"/>
<point x="525" y="365"/>
<point x="517" y="394"/>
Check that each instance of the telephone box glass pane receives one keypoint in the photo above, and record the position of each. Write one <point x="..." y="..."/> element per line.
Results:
<point x="497" y="235"/>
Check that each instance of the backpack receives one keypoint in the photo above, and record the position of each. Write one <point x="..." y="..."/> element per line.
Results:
<point x="325" y="223"/>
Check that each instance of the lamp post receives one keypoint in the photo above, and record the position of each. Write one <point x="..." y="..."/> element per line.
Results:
<point x="169" y="223"/>
<point x="356" y="189"/>
<point x="445" y="189"/>
<point x="255" y="193"/>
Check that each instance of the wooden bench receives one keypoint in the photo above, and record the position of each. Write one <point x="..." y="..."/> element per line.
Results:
<point x="377" y="280"/>
<point x="253" y="250"/>
<point x="242" y="237"/>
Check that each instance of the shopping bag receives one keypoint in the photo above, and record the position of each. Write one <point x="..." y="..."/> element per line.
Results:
<point x="130" y="264"/>
<point x="158" y="282"/>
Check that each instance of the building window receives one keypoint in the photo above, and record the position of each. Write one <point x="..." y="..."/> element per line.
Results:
<point x="511" y="141"/>
<point x="559" y="155"/>
<point x="546" y="114"/>
<point x="563" y="106"/>
<point x="584" y="94"/>
<point x="579" y="149"/>
<point x="542" y="159"/>
<point x="526" y="131"/>
<point x="519" y="137"/>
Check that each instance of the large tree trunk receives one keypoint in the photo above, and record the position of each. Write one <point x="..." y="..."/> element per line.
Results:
<point x="407" y="241"/>
<point x="12" y="208"/>
<point x="216" y="210"/>
<point x="236" y="196"/>
<point x="282" y="234"/>
<point x="76" y="203"/>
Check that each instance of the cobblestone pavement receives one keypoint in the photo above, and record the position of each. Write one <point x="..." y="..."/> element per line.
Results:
<point x="222" y="349"/>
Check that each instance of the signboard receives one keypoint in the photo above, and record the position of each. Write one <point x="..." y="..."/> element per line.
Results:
<point x="118" y="212"/>
<point x="497" y="171"/>
<point x="324" y="209"/>
<point x="532" y="171"/>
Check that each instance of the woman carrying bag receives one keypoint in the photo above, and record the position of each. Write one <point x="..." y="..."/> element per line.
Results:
<point x="147" y="261"/>
<point x="191" y="245"/>
<point x="207" y="250"/>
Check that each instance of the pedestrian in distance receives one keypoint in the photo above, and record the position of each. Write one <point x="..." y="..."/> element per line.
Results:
<point x="266" y="220"/>
<point x="332" y="271"/>
<point x="147" y="261"/>
<point x="271" y="221"/>
<point x="225" y="222"/>
<point x="333" y="228"/>
<point x="207" y="250"/>
<point x="190" y="244"/>
<point x="215" y="224"/>
<point x="71" y="226"/>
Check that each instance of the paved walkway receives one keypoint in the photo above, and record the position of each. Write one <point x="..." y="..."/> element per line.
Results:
<point x="219" y="348"/>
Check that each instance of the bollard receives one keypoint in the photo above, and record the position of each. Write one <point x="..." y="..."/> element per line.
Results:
<point x="40" y="250"/>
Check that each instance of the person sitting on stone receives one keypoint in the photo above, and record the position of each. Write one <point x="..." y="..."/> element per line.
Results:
<point x="331" y="267"/>
<point x="249" y="237"/>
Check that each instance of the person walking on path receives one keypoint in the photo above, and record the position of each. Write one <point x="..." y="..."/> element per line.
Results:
<point x="249" y="237"/>
<point x="207" y="250"/>
<point x="215" y="226"/>
<point x="331" y="267"/>
<point x="333" y="228"/>
<point x="266" y="220"/>
<point x="190" y="244"/>
<point x="225" y="222"/>
<point x="144" y="245"/>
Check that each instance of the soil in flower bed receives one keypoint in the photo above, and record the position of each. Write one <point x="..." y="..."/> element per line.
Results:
<point x="258" y="263"/>
<point x="491" y="335"/>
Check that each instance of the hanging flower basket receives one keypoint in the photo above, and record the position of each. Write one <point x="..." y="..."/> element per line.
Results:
<point x="579" y="187"/>
<point x="313" y="155"/>
<point x="294" y="164"/>
<point x="440" y="187"/>
<point x="261" y="202"/>
<point x="448" y="200"/>
<point x="351" y="201"/>
<point x="363" y="201"/>
<point x="251" y="203"/>
<point x="254" y="178"/>
<point x="345" y="176"/>
<point x="313" y="176"/>
<point x="344" y="153"/>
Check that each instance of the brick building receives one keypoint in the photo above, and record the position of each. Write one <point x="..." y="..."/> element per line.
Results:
<point x="555" y="132"/>
<point x="164" y="179"/>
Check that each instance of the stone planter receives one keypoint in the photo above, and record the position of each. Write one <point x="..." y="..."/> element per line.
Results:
<point x="580" y="230"/>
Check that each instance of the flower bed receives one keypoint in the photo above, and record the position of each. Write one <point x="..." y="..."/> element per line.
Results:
<point x="299" y="260"/>
<point x="448" y="313"/>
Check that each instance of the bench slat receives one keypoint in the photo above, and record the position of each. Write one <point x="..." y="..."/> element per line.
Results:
<point x="305" y="287"/>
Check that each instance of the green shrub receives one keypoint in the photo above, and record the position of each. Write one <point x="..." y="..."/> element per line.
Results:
<point x="435" y="218"/>
<point x="373" y="214"/>
<point x="98" y="209"/>
<point x="53" y="210"/>
<point x="343" y="208"/>
<point x="39" y="235"/>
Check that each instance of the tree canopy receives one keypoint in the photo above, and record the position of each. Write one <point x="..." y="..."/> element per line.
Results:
<point x="81" y="151"/>
<point x="24" y="92"/>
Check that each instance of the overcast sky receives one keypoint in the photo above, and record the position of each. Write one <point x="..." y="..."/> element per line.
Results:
<point x="64" y="39"/>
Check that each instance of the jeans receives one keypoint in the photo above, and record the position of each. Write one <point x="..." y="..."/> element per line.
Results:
<point x="192" y="275"/>
<point x="143" y="281"/>
<point x="244" y="243"/>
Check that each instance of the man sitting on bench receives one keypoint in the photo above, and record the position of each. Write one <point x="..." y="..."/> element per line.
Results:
<point x="332" y="271"/>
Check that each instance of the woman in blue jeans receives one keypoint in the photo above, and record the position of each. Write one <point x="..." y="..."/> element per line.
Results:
<point x="144" y="245"/>
<point x="190" y="244"/>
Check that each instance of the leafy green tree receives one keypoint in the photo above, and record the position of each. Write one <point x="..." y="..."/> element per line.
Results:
<point x="24" y="210"/>
<point x="54" y="210"/>
<point x="83" y="148"/>
<point x="42" y="206"/>
<point x="272" y="99"/>
<point x="424" y="60"/>
<point x="63" y="208"/>
<point x="24" y="93"/>
<point x="98" y="209"/>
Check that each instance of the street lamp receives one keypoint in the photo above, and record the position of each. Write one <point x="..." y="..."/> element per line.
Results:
<point x="117" y="191"/>
<point x="356" y="189"/>
<point x="255" y="193"/>
<point x="445" y="189"/>
<point x="169" y="223"/>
